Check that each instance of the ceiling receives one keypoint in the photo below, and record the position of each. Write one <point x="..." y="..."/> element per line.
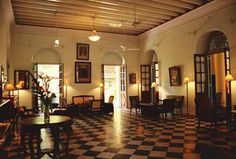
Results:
<point x="137" y="16"/>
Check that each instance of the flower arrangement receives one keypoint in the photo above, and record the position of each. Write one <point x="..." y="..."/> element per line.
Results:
<point x="42" y="91"/>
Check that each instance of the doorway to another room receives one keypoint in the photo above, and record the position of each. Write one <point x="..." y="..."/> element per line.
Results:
<point x="55" y="73"/>
<point x="115" y="84"/>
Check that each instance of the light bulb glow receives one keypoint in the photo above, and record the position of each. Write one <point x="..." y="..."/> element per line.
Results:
<point x="56" y="43"/>
<point x="94" y="37"/>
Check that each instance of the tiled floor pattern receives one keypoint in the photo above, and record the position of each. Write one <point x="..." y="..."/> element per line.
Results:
<point x="121" y="136"/>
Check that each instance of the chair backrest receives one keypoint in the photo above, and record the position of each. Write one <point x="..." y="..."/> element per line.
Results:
<point x="204" y="108"/>
<point x="179" y="100"/>
<point x="168" y="105"/>
<point x="134" y="101"/>
<point x="96" y="105"/>
<point x="63" y="103"/>
<point x="81" y="99"/>
<point x="111" y="98"/>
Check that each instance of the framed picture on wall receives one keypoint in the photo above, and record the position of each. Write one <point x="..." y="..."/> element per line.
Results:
<point x="132" y="78"/>
<point x="21" y="79"/>
<point x="82" y="51"/>
<point x="175" y="76"/>
<point x="82" y="72"/>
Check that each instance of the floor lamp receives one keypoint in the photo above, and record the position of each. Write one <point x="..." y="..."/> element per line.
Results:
<point x="186" y="81"/>
<point x="228" y="79"/>
<point x="138" y="86"/>
<point x="66" y="84"/>
<point x="19" y="86"/>
<point x="153" y="86"/>
<point x="100" y="85"/>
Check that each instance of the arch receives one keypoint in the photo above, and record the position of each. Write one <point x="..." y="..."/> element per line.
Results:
<point x="46" y="55"/>
<point x="151" y="56"/>
<point x="212" y="42"/>
<point x="113" y="58"/>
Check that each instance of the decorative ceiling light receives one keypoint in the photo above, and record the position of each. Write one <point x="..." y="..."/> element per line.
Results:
<point x="56" y="42"/>
<point x="94" y="37"/>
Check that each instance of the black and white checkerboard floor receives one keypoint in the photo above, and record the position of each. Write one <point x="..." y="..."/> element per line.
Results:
<point x="122" y="136"/>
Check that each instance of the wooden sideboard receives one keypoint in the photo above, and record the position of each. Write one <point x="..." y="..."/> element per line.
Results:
<point x="13" y="99"/>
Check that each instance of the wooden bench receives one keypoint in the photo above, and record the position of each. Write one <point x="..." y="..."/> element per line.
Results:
<point x="179" y="101"/>
<point x="80" y="104"/>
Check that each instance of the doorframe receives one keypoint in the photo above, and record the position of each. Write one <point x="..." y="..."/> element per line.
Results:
<point x="61" y="82"/>
<point x="103" y="81"/>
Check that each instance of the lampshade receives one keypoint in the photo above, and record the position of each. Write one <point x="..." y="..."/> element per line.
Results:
<point x="186" y="79"/>
<point x="66" y="82"/>
<point x="154" y="84"/>
<point x="56" y="43"/>
<point x="229" y="77"/>
<point x="100" y="84"/>
<point x="94" y="37"/>
<point x="20" y="84"/>
<point x="9" y="87"/>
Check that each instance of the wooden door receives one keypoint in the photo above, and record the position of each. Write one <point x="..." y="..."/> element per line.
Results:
<point x="201" y="74"/>
<point x="145" y="71"/>
<point x="123" y="86"/>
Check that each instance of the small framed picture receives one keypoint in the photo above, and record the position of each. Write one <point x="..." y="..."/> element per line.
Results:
<point x="175" y="76"/>
<point x="82" y="72"/>
<point x="132" y="78"/>
<point x="21" y="79"/>
<point x="82" y="51"/>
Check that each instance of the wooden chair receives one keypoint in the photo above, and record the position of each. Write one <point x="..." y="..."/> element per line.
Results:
<point x="167" y="107"/>
<point x="179" y="101"/>
<point x="96" y="106"/>
<point x="206" y="111"/>
<point x="108" y="107"/>
<point x="134" y="103"/>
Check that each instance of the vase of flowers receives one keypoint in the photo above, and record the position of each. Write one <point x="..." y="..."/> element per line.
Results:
<point x="41" y="90"/>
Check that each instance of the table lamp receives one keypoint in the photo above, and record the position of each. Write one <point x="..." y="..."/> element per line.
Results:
<point x="9" y="87"/>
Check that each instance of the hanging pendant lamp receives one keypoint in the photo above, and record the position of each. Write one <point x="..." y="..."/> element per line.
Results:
<point x="94" y="37"/>
<point x="56" y="42"/>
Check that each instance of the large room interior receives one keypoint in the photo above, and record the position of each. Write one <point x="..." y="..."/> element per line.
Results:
<point x="118" y="79"/>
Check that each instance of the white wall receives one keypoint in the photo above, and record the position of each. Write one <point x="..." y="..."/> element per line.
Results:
<point x="27" y="41"/>
<point x="6" y="19"/>
<point x="176" y="42"/>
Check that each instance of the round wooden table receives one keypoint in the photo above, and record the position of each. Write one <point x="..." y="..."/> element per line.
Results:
<point x="32" y="126"/>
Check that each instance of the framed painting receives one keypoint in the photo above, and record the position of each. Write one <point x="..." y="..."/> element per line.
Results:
<point x="175" y="76"/>
<point x="82" y="51"/>
<point x="82" y="72"/>
<point x="21" y="79"/>
<point x="132" y="78"/>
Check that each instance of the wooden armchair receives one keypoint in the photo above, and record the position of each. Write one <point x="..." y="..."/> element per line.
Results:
<point x="167" y="107"/>
<point x="108" y="107"/>
<point x="134" y="103"/>
<point x="95" y="106"/>
<point x="206" y="111"/>
<point x="179" y="101"/>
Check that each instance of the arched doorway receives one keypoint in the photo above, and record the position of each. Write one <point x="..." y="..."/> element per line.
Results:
<point x="150" y="78"/>
<point x="114" y="79"/>
<point x="211" y="65"/>
<point x="47" y="61"/>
